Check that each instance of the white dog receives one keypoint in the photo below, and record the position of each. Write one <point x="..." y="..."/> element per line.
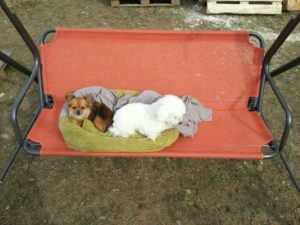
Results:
<point x="149" y="120"/>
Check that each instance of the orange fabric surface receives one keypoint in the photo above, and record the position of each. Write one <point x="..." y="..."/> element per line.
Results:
<point x="220" y="69"/>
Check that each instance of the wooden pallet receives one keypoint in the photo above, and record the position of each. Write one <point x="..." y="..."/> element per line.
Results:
<point x="244" y="6"/>
<point x="293" y="5"/>
<point x="120" y="3"/>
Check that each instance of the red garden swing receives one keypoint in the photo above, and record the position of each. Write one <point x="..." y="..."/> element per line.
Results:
<point x="221" y="69"/>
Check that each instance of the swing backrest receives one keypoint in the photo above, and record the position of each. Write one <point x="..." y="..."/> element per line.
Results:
<point x="221" y="68"/>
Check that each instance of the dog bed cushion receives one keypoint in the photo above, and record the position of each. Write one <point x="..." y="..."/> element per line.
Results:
<point x="88" y="139"/>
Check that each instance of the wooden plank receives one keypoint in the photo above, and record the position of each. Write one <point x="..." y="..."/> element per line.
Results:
<point x="245" y="8"/>
<point x="140" y="5"/>
<point x="293" y="5"/>
<point x="116" y="3"/>
<point x="145" y="2"/>
<point x="175" y="2"/>
<point x="244" y="1"/>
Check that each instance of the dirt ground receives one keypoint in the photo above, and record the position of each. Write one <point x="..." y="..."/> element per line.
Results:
<point x="145" y="191"/>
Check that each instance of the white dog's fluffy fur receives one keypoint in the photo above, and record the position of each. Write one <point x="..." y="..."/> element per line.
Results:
<point x="149" y="120"/>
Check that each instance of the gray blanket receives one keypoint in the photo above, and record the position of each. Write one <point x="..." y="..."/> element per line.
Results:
<point x="195" y="114"/>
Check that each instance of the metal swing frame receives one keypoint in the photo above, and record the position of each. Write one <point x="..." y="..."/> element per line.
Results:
<point x="46" y="100"/>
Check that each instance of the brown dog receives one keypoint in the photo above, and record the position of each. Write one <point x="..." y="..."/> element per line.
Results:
<point x="101" y="116"/>
<point x="80" y="108"/>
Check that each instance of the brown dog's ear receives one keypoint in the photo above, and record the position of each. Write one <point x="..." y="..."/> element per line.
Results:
<point x="88" y="97"/>
<point x="69" y="96"/>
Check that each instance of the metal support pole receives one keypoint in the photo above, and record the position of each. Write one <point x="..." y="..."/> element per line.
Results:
<point x="11" y="62"/>
<point x="9" y="163"/>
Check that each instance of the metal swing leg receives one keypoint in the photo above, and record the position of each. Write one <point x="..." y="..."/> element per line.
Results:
<point x="269" y="75"/>
<point x="276" y="72"/>
<point x="9" y="163"/>
<point x="34" y="75"/>
<point x="292" y="175"/>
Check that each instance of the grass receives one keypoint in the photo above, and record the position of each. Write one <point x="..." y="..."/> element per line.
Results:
<point x="144" y="191"/>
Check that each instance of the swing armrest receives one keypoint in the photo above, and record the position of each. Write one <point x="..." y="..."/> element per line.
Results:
<point x="277" y="147"/>
<point x="34" y="76"/>
<point x="46" y="101"/>
<point x="21" y="138"/>
<point x="19" y="100"/>
<point x="267" y="77"/>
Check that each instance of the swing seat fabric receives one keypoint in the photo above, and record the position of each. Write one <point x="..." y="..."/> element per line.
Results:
<point x="220" y="69"/>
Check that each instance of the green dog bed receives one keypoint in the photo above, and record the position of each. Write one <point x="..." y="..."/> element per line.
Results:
<point x="88" y="139"/>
